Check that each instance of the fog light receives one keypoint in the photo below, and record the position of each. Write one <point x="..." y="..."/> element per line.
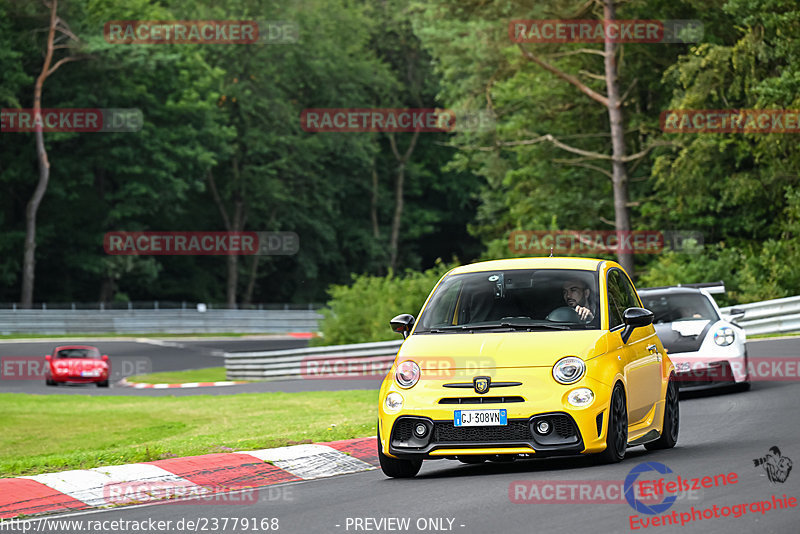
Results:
<point x="543" y="427"/>
<point x="393" y="402"/>
<point x="580" y="397"/>
<point x="420" y="430"/>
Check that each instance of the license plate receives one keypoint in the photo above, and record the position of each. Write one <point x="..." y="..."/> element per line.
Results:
<point x="480" y="418"/>
<point x="90" y="373"/>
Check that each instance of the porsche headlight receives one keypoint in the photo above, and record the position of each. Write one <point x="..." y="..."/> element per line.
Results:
<point x="407" y="374"/>
<point x="569" y="370"/>
<point x="724" y="336"/>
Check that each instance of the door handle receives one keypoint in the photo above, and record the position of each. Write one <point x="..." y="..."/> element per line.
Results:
<point x="654" y="350"/>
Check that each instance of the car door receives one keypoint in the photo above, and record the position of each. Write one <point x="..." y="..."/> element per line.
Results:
<point x="642" y="361"/>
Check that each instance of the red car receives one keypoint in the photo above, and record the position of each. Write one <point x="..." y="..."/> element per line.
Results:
<point x="77" y="363"/>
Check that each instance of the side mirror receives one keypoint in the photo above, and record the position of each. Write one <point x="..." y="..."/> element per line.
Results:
<point x="403" y="324"/>
<point x="635" y="318"/>
<point x="735" y="314"/>
<point x="105" y="357"/>
<point x="47" y="357"/>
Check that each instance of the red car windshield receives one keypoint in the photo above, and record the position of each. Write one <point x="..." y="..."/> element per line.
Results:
<point x="92" y="354"/>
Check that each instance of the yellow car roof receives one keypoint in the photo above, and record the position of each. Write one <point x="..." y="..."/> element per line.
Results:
<point x="585" y="264"/>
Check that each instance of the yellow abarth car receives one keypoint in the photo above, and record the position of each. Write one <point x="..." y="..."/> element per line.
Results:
<point x="524" y="358"/>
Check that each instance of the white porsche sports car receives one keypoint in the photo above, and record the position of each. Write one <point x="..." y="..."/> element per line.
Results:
<point x="707" y="348"/>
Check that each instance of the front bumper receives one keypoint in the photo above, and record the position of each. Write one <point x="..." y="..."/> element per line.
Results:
<point x="701" y="370"/>
<point x="582" y="429"/>
<point x="517" y="437"/>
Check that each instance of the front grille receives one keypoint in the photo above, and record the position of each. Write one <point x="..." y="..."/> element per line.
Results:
<point x="480" y="400"/>
<point x="514" y="431"/>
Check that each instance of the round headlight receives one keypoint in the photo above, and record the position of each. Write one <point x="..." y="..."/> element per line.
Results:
<point x="580" y="397"/>
<point x="407" y="374"/>
<point x="393" y="402"/>
<point x="569" y="370"/>
<point x="724" y="336"/>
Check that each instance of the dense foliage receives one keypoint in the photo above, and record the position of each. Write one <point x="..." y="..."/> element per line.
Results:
<point x="227" y="116"/>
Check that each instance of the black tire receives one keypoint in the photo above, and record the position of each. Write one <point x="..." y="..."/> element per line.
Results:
<point x="397" y="467"/>
<point x="471" y="460"/>
<point x="672" y="420"/>
<point x="103" y="384"/>
<point x="617" y="434"/>
<point x="742" y="386"/>
<point x="49" y="382"/>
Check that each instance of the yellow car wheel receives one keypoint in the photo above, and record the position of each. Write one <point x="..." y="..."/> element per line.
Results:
<point x="397" y="467"/>
<point x="672" y="417"/>
<point x="617" y="433"/>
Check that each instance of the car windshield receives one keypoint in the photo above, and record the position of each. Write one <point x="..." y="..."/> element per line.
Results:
<point x="93" y="354"/>
<point x="512" y="300"/>
<point x="670" y="308"/>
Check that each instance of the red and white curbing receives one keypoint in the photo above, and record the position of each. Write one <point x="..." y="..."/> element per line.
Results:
<point x="194" y="475"/>
<point x="141" y="385"/>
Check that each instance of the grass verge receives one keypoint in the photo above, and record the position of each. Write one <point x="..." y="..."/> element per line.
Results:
<point x="209" y="374"/>
<point x="47" y="433"/>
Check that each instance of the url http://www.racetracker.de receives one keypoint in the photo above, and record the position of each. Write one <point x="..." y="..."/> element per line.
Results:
<point x="200" y="524"/>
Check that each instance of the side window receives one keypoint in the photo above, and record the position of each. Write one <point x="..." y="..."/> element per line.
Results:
<point x="616" y="299"/>
<point x="621" y="296"/>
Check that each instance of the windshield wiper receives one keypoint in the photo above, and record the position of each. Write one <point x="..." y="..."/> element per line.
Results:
<point x="515" y="326"/>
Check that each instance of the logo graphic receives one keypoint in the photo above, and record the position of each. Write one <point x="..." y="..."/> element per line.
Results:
<point x="636" y="504"/>
<point x="481" y="384"/>
<point x="777" y="467"/>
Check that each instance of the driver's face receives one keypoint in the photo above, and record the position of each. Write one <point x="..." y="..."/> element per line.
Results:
<point x="574" y="293"/>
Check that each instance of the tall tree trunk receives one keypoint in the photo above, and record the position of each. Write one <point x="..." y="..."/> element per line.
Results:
<point x="31" y="210"/>
<point x="231" y="225"/>
<point x="613" y="103"/>
<point x="376" y="232"/>
<point x="618" y="169"/>
<point x="251" y="281"/>
<point x="402" y="161"/>
<point x="29" y="256"/>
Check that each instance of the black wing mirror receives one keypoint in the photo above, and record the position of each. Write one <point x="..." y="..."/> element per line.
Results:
<point x="403" y="324"/>
<point x="735" y="314"/>
<point x="634" y="318"/>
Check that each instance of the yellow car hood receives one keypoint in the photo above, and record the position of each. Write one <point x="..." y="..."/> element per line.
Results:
<point x="501" y="349"/>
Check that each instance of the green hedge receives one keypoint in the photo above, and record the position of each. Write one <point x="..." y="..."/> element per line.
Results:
<point x="360" y="312"/>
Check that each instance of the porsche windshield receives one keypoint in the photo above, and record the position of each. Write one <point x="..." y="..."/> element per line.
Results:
<point x="670" y="308"/>
<point x="513" y="300"/>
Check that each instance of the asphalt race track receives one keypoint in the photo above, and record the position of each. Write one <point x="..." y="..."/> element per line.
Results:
<point x="720" y="433"/>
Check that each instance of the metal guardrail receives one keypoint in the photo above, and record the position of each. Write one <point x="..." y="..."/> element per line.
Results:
<point x="375" y="359"/>
<point x="174" y="321"/>
<point x="368" y="360"/>
<point x="769" y="316"/>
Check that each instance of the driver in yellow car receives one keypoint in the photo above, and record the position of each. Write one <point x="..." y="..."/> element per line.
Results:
<point x="576" y="295"/>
